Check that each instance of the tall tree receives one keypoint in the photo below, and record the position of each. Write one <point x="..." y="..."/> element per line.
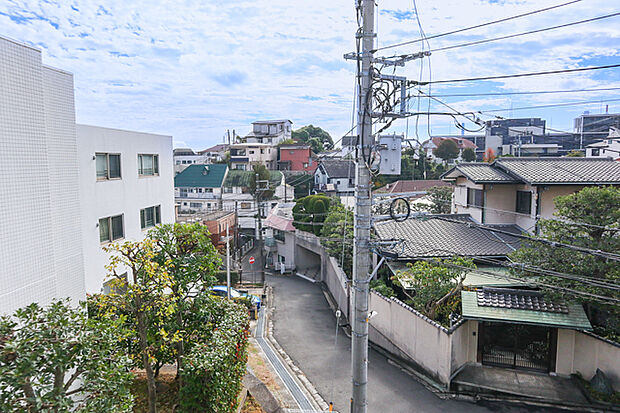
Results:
<point x="310" y="212"/>
<point x="55" y="359"/>
<point x="441" y="197"/>
<point x="338" y="237"/>
<point x="191" y="261"/>
<point x="447" y="150"/>
<point x="589" y="218"/>
<point x="146" y="298"/>
<point x="319" y="139"/>
<point x="468" y="155"/>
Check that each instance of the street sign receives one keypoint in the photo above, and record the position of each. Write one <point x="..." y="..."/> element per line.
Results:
<point x="251" y="260"/>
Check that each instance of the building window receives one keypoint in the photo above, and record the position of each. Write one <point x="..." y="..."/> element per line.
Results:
<point x="251" y="152"/>
<point x="111" y="228"/>
<point x="115" y="285"/>
<point x="524" y="202"/>
<point x="149" y="217"/>
<point x="279" y="235"/>
<point x="475" y="197"/>
<point x="246" y="205"/>
<point x="108" y="166"/>
<point x="148" y="165"/>
<point x="195" y="205"/>
<point x="262" y="151"/>
<point x="228" y="190"/>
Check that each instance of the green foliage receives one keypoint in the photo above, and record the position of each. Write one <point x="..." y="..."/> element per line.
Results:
<point x="441" y="197"/>
<point x="214" y="370"/>
<point x="575" y="153"/>
<point x="287" y="142"/>
<point x="303" y="183"/>
<point x="589" y="218"/>
<point x="314" y="136"/>
<point x="263" y="175"/>
<point x="382" y="288"/>
<point x="437" y="286"/>
<point x="50" y="357"/>
<point x="333" y="231"/>
<point x="447" y="150"/>
<point x="468" y="155"/>
<point x="312" y="211"/>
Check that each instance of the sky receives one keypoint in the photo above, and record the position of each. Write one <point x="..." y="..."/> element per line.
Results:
<point x="194" y="69"/>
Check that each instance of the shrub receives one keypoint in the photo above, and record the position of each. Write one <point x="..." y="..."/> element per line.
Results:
<point x="213" y="371"/>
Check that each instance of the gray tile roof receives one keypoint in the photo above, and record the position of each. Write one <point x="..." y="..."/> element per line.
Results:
<point x="339" y="168"/>
<point x="561" y="170"/>
<point x="433" y="237"/>
<point x="519" y="299"/>
<point x="479" y="173"/>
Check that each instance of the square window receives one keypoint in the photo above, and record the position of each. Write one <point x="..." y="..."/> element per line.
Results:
<point x="111" y="228"/>
<point x="524" y="202"/>
<point x="475" y="197"/>
<point x="151" y="216"/>
<point x="108" y="166"/>
<point x="148" y="165"/>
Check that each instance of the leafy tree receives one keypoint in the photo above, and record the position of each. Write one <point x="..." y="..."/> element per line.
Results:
<point x="333" y="231"/>
<point x="146" y="298"/>
<point x="382" y="288"/>
<point x="191" y="261"/>
<point x="489" y="155"/>
<point x="447" y="150"/>
<point x="441" y="197"/>
<point x="575" y="154"/>
<point x="437" y="286"/>
<point x="263" y="175"/>
<point x="589" y="218"/>
<point x="310" y="212"/>
<point x="287" y="142"/>
<point x="55" y="359"/>
<point x="468" y="155"/>
<point x="314" y="136"/>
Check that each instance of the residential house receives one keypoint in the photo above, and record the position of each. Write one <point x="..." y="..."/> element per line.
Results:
<point x="296" y="157"/>
<point x="431" y="145"/>
<point x="216" y="153"/>
<point x="335" y="177"/>
<point x="41" y="243"/>
<point x="270" y="132"/>
<point x="126" y="188"/>
<point x="184" y="157"/>
<point x="607" y="148"/>
<point x="521" y="190"/>
<point x="199" y="187"/>
<point x="243" y="156"/>
<point x="217" y="223"/>
<point x="506" y="322"/>
<point x="237" y="196"/>
<point x="477" y="139"/>
<point x="280" y="238"/>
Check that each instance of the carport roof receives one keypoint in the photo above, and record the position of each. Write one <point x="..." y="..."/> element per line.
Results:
<point x="575" y="318"/>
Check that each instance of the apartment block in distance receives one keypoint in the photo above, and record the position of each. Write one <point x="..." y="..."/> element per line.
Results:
<point x="40" y="246"/>
<point x="126" y="186"/>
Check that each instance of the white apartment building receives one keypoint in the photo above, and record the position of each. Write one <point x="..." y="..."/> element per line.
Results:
<point x="126" y="187"/>
<point x="184" y="157"/>
<point x="270" y="132"/>
<point x="40" y="245"/>
<point x="244" y="155"/>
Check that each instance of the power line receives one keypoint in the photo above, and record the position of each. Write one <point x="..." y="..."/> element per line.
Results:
<point x="553" y="105"/>
<point x="510" y="36"/>
<point x="476" y="26"/>
<point x="539" y="92"/>
<point x="599" y="253"/>
<point x="550" y="72"/>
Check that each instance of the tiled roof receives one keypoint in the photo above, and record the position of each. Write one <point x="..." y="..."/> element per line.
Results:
<point x="575" y="317"/>
<point x="479" y="173"/>
<point x="518" y="299"/>
<point x="411" y="186"/>
<point x="217" y="148"/>
<point x="434" y="237"/>
<point x="561" y="170"/>
<point x="340" y="168"/>
<point x="280" y="223"/>
<point x="201" y="176"/>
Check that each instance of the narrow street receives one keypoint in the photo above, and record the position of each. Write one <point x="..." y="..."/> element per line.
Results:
<point x="304" y="326"/>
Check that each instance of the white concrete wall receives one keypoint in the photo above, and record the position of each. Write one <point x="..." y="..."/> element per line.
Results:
<point x="40" y="251"/>
<point x="418" y="338"/>
<point x="125" y="196"/>
<point x="464" y="344"/>
<point x="583" y="353"/>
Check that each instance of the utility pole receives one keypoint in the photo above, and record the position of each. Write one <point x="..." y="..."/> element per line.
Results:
<point x="361" y="245"/>
<point x="227" y="262"/>
<point x="260" y="229"/>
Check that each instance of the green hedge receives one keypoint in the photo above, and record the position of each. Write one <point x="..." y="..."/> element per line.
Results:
<point x="221" y="277"/>
<point x="213" y="371"/>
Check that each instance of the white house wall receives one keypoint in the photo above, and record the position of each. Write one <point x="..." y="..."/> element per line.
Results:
<point x="125" y="196"/>
<point x="40" y="257"/>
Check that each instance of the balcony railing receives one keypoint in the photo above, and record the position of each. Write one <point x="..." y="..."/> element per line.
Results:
<point x="197" y="195"/>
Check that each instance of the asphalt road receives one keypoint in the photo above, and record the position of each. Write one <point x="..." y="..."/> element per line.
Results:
<point x="305" y="327"/>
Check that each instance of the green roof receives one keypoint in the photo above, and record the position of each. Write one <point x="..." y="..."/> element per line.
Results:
<point x="201" y="176"/>
<point x="244" y="178"/>
<point x="575" y="318"/>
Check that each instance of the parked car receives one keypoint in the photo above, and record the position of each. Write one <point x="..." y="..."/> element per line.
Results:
<point x="220" y="291"/>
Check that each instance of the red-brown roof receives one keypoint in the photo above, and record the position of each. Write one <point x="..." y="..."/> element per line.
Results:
<point x="278" y="222"/>
<point x="461" y="143"/>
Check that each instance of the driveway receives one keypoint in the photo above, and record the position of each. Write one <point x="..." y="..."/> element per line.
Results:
<point x="305" y="327"/>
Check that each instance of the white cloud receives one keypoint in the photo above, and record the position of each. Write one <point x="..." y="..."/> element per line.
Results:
<point x="196" y="68"/>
